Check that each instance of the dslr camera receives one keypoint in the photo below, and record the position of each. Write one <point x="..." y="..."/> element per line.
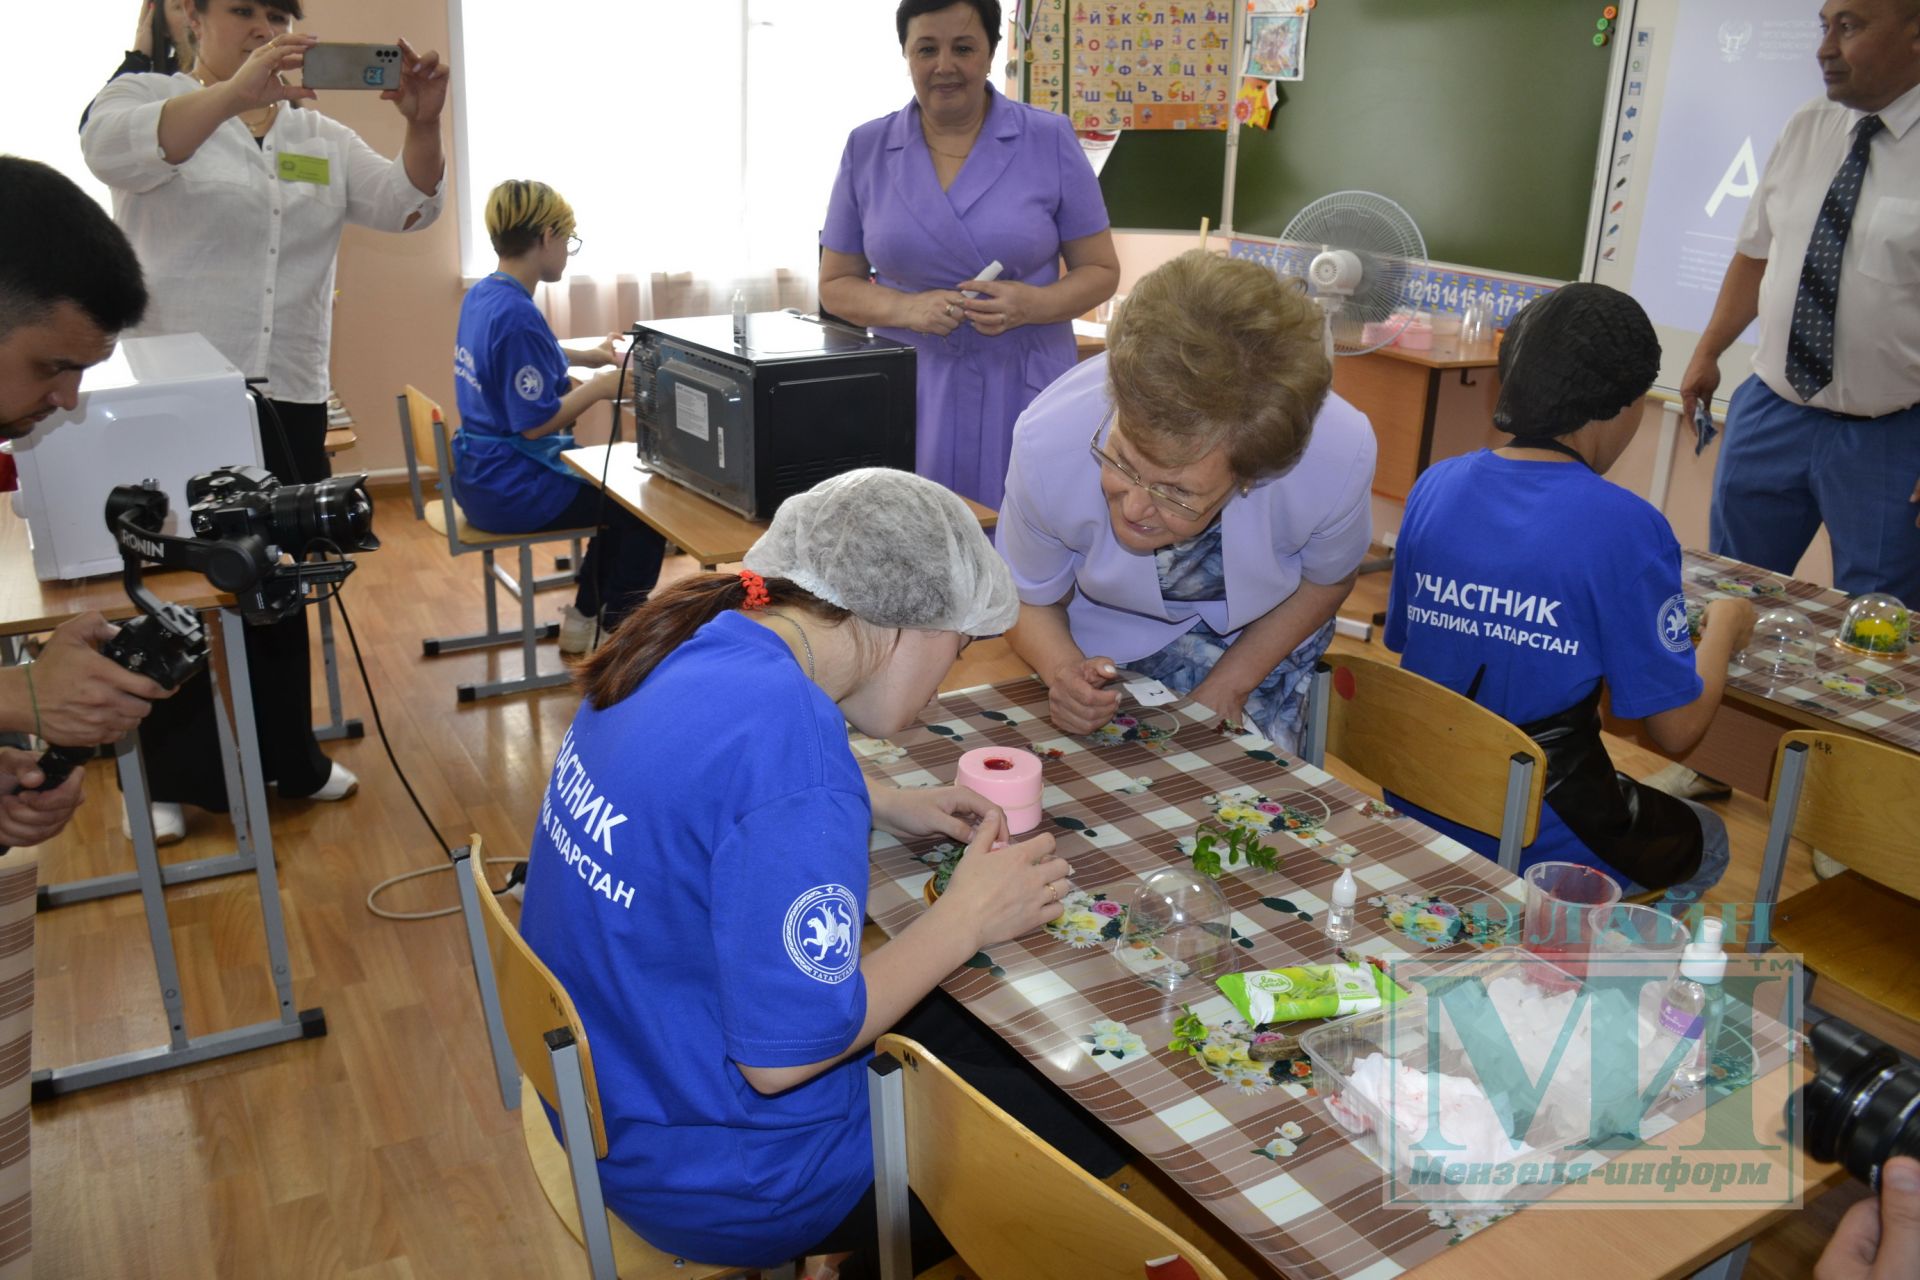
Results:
<point x="266" y="544"/>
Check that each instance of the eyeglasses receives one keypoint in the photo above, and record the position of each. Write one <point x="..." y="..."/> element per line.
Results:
<point x="573" y="245"/>
<point x="1164" y="501"/>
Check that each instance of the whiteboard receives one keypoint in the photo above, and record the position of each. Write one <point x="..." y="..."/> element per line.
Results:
<point x="1701" y="95"/>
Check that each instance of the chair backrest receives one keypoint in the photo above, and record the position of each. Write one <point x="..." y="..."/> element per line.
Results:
<point x="1008" y="1203"/>
<point x="533" y="1003"/>
<point x="1421" y="740"/>
<point x="416" y="439"/>
<point x="1860" y="802"/>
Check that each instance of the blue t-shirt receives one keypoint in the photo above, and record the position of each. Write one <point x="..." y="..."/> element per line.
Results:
<point x="508" y="376"/>
<point x="1552" y="579"/>
<point x="698" y="883"/>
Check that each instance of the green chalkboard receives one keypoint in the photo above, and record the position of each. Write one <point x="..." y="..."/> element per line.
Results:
<point x="1481" y="117"/>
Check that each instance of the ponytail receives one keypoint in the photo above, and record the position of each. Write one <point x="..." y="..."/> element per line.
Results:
<point x="668" y="619"/>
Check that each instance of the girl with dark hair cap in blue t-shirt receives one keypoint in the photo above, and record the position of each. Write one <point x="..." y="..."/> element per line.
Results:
<point x="1529" y="583"/>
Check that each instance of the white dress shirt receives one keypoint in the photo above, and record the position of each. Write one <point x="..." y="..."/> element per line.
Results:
<point x="231" y="250"/>
<point x="1876" y="339"/>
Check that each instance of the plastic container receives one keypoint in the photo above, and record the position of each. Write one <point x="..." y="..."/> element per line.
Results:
<point x="1177" y="934"/>
<point x="1876" y="624"/>
<point x="1782" y="640"/>
<point x="1560" y="896"/>
<point x="1344" y="1057"/>
<point x="1010" y="778"/>
<point x="1417" y="336"/>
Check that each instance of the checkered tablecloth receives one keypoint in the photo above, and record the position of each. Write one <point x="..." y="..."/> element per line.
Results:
<point x="1879" y="697"/>
<point x="1118" y="811"/>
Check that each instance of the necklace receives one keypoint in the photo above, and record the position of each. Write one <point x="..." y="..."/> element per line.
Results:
<point x="951" y="155"/>
<point x="257" y="121"/>
<point x="800" y="631"/>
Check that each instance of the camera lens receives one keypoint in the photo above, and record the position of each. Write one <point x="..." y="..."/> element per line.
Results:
<point x="1863" y="1105"/>
<point x="338" y="511"/>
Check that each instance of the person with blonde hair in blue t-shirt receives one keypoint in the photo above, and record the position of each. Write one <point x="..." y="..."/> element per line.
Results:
<point x="517" y="406"/>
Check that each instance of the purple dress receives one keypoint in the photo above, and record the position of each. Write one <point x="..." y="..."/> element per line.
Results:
<point x="1025" y="189"/>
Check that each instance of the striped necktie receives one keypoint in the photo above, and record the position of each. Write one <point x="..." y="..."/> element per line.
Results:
<point x="1810" y="339"/>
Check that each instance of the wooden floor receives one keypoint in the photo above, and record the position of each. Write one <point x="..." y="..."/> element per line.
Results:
<point x="380" y="1150"/>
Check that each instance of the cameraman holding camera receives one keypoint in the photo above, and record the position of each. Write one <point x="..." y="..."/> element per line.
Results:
<point x="69" y="283"/>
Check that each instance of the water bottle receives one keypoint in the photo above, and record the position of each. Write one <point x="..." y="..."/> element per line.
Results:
<point x="739" y="318"/>
<point x="1691" y="1008"/>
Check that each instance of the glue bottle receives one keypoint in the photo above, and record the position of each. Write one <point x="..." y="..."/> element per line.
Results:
<point x="1340" y="909"/>
<point x="1692" y="1007"/>
<point x="739" y="318"/>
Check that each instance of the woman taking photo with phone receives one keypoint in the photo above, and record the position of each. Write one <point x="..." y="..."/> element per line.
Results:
<point x="235" y="203"/>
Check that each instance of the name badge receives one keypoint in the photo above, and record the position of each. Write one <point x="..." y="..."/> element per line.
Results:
<point x="315" y="169"/>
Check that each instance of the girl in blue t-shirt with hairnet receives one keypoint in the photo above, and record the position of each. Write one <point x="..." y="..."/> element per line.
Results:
<point x="699" y="879"/>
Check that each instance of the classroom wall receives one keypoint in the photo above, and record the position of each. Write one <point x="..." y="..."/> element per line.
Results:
<point x="1463" y="422"/>
<point x="399" y="295"/>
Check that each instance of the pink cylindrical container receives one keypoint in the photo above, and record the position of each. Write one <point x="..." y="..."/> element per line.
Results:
<point x="1010" y="778"/>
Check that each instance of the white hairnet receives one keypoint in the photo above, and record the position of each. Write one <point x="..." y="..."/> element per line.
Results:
<point x="895" y="549"/>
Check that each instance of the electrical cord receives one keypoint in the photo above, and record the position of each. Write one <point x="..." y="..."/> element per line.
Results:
<point x="600" y="500"/>
<point x="333" y="595"/>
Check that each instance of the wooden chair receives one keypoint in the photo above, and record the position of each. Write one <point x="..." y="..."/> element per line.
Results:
<point x="423" y="429"/>
<point x="1010" y="1204"/>
<point x="540" y="1044"/>
<point x="1423" y="741"/>
<point x="1860" y="801"/>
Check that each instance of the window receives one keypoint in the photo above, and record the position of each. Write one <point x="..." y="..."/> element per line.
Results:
<point x="691" y="139"/>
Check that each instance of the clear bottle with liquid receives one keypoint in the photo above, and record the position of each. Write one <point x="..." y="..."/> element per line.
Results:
<point x="739" y="318"/>
<point x="1692" y="1006"/>
<point x="1340" y="909"/>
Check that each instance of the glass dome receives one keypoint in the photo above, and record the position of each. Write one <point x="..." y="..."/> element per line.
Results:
<point x="1875" y="624"/>
<point x="1781" y="638"/>
<point x="1177" y="933"/>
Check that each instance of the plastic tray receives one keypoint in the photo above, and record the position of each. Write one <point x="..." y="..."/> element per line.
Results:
<point x="1552" y="1143"/>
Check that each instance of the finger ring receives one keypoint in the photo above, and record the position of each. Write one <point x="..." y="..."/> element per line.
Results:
<point x="949" y="309"/>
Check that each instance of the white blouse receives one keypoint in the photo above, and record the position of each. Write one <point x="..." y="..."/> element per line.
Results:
<point x="230" y="247"/>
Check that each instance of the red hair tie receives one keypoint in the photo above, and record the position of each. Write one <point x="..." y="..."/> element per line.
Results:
<point x="756" y="586"/>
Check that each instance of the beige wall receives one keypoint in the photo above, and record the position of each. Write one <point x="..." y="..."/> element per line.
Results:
<point x="399" y="295"/>
<point x="1464" y="422"/>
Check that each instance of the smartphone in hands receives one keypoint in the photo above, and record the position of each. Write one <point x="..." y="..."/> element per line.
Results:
<point x="352" y="66"/>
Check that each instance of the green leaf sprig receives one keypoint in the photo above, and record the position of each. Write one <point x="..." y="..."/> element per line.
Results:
<point x="1216" y="848"/>
<point x="1189" y="1032"/>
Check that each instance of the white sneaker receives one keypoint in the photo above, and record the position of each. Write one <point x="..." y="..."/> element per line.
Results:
<point x="169" y="824"/>
<point x="579" y="634"/>
<point x="341" y="783"/>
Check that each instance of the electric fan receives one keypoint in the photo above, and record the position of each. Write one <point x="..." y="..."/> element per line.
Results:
<point x="1358" y="253"/>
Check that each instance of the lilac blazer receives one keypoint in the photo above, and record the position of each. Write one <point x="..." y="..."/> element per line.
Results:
<point x="1314" y="522"/>
<point x="1024" y="190"/>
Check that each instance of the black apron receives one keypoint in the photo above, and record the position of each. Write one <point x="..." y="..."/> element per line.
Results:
<point x="1647" y="836"/>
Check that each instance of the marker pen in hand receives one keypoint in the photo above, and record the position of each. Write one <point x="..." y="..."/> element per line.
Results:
<point x="988" y="275"/>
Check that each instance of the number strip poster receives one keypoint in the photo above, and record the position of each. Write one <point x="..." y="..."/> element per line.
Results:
<point x="1149" y="65"/>
<point x="1045" y="34"/>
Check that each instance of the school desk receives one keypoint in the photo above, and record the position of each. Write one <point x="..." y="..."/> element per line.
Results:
<point x="1117" y="804"/>
<point x="696" y="524"/>
<point x="1823" y="687"/>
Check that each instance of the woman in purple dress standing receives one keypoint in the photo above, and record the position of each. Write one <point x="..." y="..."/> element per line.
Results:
<point x="926" y="199"/>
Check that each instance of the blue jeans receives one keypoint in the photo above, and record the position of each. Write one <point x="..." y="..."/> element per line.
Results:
<point x="1714" y="856"/>
<point x="1786" y="469"/>
<point x="629" y="550"/>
